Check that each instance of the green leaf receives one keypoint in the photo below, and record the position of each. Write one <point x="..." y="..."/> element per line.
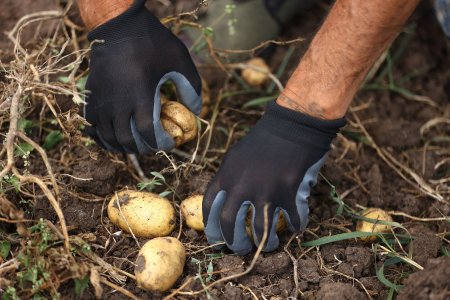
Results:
<point x="81" y="83"/>
<point x="23" y="149"/>
<point x="158" y="175"/>
<point x="194" y="260"/>
<point x="5" y="247"/>
<point x="80" y="285"/>
<point x="209" y="271"/>
<point x="165" y="194"/>
<point x="52" y="139"/>
<point x="12" y="180"/>
<point x="63" y="79"/>
<point x="260" y="101"/>
<point x="25" y="125"/>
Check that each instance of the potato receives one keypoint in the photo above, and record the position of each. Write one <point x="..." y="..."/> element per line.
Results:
<point x="179" y="122"/>
<point x="191" y="209"/>
<point x="160" y="263"/>
<point x="254" y="77"/>
<point x="377" y="214"/>
<point x="146" y="214"/>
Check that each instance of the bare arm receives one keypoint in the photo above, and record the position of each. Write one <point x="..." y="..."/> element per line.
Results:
<point x="351" y="39"/>
<point x="96" y="12"/>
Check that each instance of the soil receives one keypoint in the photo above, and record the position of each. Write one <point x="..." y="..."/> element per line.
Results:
<point x="340" y="270"/>
<point x="11" y="11"/>
<point x="430" y="283"/>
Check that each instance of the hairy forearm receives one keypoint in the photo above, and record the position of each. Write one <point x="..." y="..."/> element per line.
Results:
<point x="96" y="12"/>
<point x="351" y="39"/>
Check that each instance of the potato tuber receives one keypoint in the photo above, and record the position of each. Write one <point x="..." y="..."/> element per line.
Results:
<point x="145" y="214"/>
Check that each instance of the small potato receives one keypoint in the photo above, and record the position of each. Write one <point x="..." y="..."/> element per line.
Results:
<point x="146" y="214"/>
<point x="253" y="76"/>
<point x="179" y="122"/>
<point x="191" y="208"/>
<point x="376" y="214"/>
<point x="160" y="263"/>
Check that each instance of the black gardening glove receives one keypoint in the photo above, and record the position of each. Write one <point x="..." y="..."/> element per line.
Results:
<point x="276" y="164"/>
<point x="135" y="56"/>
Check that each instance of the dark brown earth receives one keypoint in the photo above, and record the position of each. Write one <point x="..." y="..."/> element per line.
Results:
<point x="333" y="271"/>
<point x="430" y="283"/>
<point x="11" y="11"/>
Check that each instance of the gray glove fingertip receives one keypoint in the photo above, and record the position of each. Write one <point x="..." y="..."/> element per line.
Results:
<point x="163" y="140"/>
<point x="304" y="190"/>
<point x="212" y="227"/>
<point x="272" y="240"/>
<point x="188" y="96"/>
<point x="241" y="243"/>
<point x="106" y="145"/>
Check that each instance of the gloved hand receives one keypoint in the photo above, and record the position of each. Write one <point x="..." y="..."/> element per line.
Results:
<point x="275" y="164"/>
<point x="137" y="55"/>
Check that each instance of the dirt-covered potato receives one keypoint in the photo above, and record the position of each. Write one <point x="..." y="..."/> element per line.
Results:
<point x="191" y="208"/>
<point x="179" y="122"/>
<point x="376" y="214"/>
<point x="253" y="76"/>
<point x="159" y="263"/>
<point x="146" y="214"/>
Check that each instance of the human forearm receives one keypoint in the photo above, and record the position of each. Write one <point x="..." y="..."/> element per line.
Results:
<point x="351" y="39"/>
<point x="96" y="12"/>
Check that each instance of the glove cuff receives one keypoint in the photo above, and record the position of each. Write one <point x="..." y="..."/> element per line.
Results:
<point x="135" y="22"/>
<point x="299" y="127"/>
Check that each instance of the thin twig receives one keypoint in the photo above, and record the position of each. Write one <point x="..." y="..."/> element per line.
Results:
<point x="44" y="158"/>
<point x="119" y="289"/>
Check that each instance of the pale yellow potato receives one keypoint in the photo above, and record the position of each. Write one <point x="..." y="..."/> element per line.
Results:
<point x="191" y="209"/>
<point x="159" y="264"/>
<point x="376" y="214"/>
<point x="179" y="122"/>
<point x="253" y="76"/>
<point x="145" y="214"/>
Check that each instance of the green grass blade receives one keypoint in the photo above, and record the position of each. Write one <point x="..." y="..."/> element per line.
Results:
<point x="282" y="68"/>
<point x="383" y="279"/>
<point x="337" y="238"/>
<point x="260" y="101"/>
<point x="376" y="221"/>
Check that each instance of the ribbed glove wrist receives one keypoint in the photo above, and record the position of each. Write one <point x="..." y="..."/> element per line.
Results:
<point x="299" y="127"/>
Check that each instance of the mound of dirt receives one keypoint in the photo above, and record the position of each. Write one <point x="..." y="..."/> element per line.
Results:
<point x="430" y="283"/>
<point x="339" y="290"/>
<point x="96" y="176"/>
